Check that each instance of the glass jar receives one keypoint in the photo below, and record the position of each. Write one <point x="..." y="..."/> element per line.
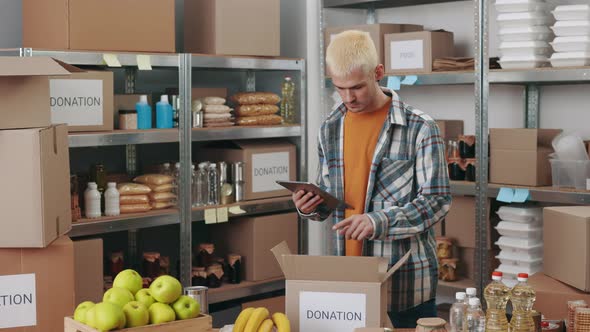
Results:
<point x="431" y="325"/>
<point x="116" y="263"/>
<point x="214" y="275"/>
<point x="199" y="276"/>
<point x="151" y="264"/>
<point x="470" y="169"/>
<point x="467" y="146"/>
<point x="457" y="168"/>
<point x="127" y="119"/>
<point x="234" y="268"/>
<point x="204" y="256"/>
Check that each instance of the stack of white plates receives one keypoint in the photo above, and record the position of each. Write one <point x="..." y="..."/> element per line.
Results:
<point x="572" y="31"/>
<point x="524" y="33"/>
<point x="521" y="241"/>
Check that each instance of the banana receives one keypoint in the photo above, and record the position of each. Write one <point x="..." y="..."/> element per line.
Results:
<point x="242" y="320"/>
<point x="258" y="316"/>
<point x="282" y="322"/>
<point x="266" y="326"/>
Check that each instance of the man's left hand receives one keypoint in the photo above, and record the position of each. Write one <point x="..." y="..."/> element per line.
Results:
<point x="357" y="227"/>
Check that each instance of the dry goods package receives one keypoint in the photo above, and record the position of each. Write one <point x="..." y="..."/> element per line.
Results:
<point x="135" y="208"/>
<point x="162" y="197"/>
<point x="162" y="188"/>
<point x="161" y="205"/>
<point x="213" y="101"/>
<point x="259" y="120"/>
<point x="217" y="109"/>
<point x="133" y="189"/>
<point x="252" y="98"/>
<point x="157" y="179"/>
<point x="255" y="110"/>
<point x="133" y="199"/>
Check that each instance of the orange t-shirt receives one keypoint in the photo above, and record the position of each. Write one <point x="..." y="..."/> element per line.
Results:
<point x="361" y="132"/>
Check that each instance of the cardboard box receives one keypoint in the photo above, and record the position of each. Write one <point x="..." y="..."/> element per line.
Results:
<point x="45" y="24"/>
<point x="126" y="102"/>
<point x="376" y="31"/>
<point x="450" y="129"/>
<point x="332" y="296"/>
<point x="35" y="177"/>
<point x="140" y="25"/>
<point x="24" y="91"/>
<point x="552" y="296"/>
<point x="42" y="281"/>
<point x="88" y="268"/>
<point x="83" y="100"/>
<point x="265" y="163"/>
<point x="273" y="304"/>
<point x="197" y="93"/>
<point x="414" y="52"/>
<point x="566" y="250"/>
<point x="252" y="238"/>
<point x="521" y="156"/>
<point x="460" y="222"/>
<point x="233" y="27"/>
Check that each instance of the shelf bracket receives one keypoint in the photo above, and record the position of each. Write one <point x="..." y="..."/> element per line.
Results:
<point x="131" y="159"/>
<point x="532" y="105"/>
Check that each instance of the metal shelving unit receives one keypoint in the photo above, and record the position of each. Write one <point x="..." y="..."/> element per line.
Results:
<point x="366" y="4"/>
<point x="185" y="64"/>
<point x="245" y="289"/>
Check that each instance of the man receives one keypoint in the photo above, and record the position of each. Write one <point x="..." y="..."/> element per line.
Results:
<point x="385" y="159"/>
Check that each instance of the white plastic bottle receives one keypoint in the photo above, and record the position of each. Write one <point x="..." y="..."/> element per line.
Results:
<point x="92" y="201"/>
<point x="111" y="199"/>
<point x="475" y="318"/>
<point x="471" y="293"/>
<point x="457" y="312"/>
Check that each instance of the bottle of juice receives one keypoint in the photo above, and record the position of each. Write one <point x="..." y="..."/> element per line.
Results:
<point x="496" y="295"/>
<point x="523" y="297"/>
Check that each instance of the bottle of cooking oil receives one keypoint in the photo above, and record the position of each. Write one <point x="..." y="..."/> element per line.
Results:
<point x="522" y="297"/>
<point x="288" y="101"/>
<point x="496" y="295"/>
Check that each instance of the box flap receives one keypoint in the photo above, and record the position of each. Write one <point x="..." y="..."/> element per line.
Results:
<point x="31" y="66"/>
<point x="279" y="251"/>
<point x="396" y="267"/>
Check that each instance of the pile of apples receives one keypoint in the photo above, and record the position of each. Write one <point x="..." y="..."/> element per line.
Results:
<point x="127" y="304"/>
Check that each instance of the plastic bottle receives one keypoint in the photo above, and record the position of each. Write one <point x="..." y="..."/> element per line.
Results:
<point x="166" y="169"/>
<point x="457" y="312"/>
<point x="202" y="185"/>
<point x="92" y="201"/>
<point x="111" y="198"/>
<point x="213" y="185"/>
<point x="475" y="319"/>
<point x="471" y="292"/>
<point x="497" y="295"/>
<point x="144" y="113"/>
<point x="288" y="100"/>
<point x="522" y="297"/>
<point x="164" y="113"/>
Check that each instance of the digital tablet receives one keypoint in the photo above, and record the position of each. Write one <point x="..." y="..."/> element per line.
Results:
<point x="330" y="201"/>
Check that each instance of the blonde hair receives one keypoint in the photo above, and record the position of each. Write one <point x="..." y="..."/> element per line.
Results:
<point x="351" y="50"/>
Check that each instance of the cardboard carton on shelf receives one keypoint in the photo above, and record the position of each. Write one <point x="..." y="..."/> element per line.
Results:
<point x="521" y="156"/>
<point x="252" y="238"/>
<point x="552" y="296"/>
<point x="414" y="52"/>
<point x="566" y="245"/>
<point x="233" y="27"/>
<point x="265" y="163"/>
<point x="459" y="224"/>
<point x="376" y="31"/>
<point x="140" y="26"/>
<point x="320" y="286"/>
<point x="40" y="286"/>
<point x="35" y="202"/>
<point x="450" y="129"/>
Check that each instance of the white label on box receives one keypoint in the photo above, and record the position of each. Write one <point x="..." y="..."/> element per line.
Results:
<point x="407" y="54"/>
<point x="76" y="102"/>
<point x="18" y="300"/>
<point x="332" y="312"/>
<point x="268" y="168"/>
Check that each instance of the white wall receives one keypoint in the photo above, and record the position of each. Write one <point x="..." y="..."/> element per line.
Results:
<point x="10" y="24"/>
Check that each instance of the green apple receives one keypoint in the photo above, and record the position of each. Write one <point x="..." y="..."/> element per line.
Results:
<point x="161" y="313"/>
<point x="186" y="307"/>
<point x="108" y="316"/>
<point x="144" y="296"/>
<point x="118" y="296"/>
<point x="81" y="309"/>
<point x="166" y="289"/>
<point x="91" y="317"/>
<point x="136" y="314"/>
<point x="129" y="279"/>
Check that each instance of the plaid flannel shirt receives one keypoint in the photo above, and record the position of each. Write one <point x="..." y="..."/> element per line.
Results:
<point x="408" y="192"/>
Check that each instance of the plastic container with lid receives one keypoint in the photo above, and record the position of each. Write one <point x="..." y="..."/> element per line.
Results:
<point x="526" y="33"/>
<point x="520" y="230"/>
<point x="523" y="62"/>
<point x="572" y="12"/>
<point x="571" y="44"/>
<point x="514" y="6"/>
<point x="570" y="173"/>
<point x="571" y="28"/>
<point x="524" y="19"/>
<point x="525" y="48"/>
<point x="512" y="271"/>
<point x="570" y="59"/>
<point x="522" y="214"/>
<point x="532" y="248"/>
<point x="515" y="260"/>
<point x="521" y="257"/>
